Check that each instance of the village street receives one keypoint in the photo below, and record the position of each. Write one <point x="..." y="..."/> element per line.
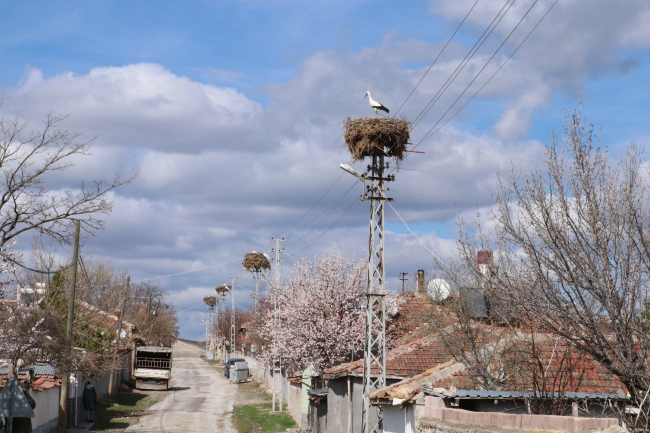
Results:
<point x="200" y="398"/>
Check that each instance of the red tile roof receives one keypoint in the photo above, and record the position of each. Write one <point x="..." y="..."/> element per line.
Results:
<point x="406" y="360"/>
<point x="412" y="314"/>
<point x="565" y="370"/>
<point x="39" y="383"/>
<point x="102" y="320"/>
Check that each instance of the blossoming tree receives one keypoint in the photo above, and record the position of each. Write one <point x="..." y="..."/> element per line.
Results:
<point x="318" y="320"/>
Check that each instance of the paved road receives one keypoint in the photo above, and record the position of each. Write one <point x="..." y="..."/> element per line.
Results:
<point x="200" y="400"/>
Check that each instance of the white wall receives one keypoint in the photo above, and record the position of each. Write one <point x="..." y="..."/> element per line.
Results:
<point x="398" y="420"/>
<point x="46" y="410"/>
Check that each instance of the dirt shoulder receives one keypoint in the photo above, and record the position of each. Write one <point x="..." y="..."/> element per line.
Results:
<point x="251" y="411"/>
<point x="124" y="409"/>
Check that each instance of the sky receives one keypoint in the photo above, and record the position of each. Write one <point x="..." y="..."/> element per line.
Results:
<point x="230" y="114"/>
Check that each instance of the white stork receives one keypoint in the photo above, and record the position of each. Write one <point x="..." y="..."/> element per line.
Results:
<point x="374" y="104"/>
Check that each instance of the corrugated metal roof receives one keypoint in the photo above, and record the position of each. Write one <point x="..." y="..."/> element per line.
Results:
<point x="468" y="393"/>
<point x="319" y="391"/>
<point x="39" y="370"/>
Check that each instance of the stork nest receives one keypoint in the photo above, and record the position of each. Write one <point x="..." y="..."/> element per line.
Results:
<point x="256" y="262"/>
<point x="373" y="136"/>
<point x="210" y="300"/>
<point x="222" y="288"/>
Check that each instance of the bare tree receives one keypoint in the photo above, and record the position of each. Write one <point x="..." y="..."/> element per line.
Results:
<point x="572" y="253"/>
<point x="27" y="157"/>
<point x="155" y="319"/>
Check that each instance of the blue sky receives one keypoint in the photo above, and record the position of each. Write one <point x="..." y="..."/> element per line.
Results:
<point x="228" y="112"/>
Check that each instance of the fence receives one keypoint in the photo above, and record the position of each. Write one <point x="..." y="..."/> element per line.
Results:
<point x="152" y="363"/>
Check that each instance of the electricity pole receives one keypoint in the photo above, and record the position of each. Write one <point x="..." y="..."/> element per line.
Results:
<point x="232" y="318"/>
<point x="125" y="295"/>
<point x="256" y="276"/>
<point x="403" y="279"/>
<point x="277" y="364"/>
<point x="63" y="400"/>
<point x="375" y="338"/>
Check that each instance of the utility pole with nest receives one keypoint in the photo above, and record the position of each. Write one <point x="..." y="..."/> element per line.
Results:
<point x="255" y="263"/>
<point x="232" y="319"/>
<point x="221" y="291"/>
<point x="376" y="139"/>
<point x="210" y="301"/>
<point x="277" y="363"/>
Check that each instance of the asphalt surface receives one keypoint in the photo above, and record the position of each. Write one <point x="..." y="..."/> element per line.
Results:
<point x="200" y="400"/>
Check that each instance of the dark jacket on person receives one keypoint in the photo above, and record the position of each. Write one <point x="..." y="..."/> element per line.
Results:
<point x="90" y="398"/>
<point x="24" y="425"/>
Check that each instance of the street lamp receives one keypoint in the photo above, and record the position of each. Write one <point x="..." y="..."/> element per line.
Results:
<point x="350" y="170"/>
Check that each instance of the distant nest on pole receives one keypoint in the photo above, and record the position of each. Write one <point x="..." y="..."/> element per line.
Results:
<point x="373" y="136"/>
<point x="255" y="262"/>
<point x="210" y="300"/>
<point x="222" y="289"/>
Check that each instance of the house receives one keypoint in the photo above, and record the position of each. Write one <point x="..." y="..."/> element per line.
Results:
<point x="578" y="395"/>
<point x="344" y="400"/>
<point x="104" y="321"/>
<point x="45" y="389"/>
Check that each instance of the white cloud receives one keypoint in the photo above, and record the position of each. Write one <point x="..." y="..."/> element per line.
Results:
<point x="219" y="174"/>
<point x="142" y="105"/>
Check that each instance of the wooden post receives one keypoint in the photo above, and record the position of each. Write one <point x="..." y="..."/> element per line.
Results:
<point x="65" y="375"/>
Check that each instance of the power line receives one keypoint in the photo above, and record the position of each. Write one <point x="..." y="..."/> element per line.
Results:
<point x="328" y="229"/>
<point x="436" y="59"/>
<point x="509" y="149"/>
<point x="470" y="54"/>
<point x="482" y="69"/>
<point x="440" y="193"/>
<point x="490" y="157"/>
<point x="334" y="206"/>
<point x="447" y="171"/>
<point x="6" y="257"/>
<point x="490" y="79"/>
<point x="309" y="210"/>
<point x="417" y="237"/>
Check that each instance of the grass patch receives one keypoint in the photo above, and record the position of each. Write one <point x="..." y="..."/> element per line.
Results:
<point x="126" y="409"/>
<point x="253" y="415"/>
<point x="256" y="418"/>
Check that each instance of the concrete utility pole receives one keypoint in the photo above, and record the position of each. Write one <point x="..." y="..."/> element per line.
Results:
<point x="232" y="319"/>
<point x="63" y="400"/>
<point x="223" y="317"/>
<point x="403" y="279"/>
<point x="375" y="338"/>
<point x="277" y="363"/>
<point x="221" y="291"/>
<point x="125" y="296"/>
<point x="257" y="275"/>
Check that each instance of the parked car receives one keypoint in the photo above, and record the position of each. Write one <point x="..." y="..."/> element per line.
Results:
<point x="231" y="362"/>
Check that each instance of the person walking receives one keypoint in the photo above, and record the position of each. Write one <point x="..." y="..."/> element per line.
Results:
<point x="90" y="402"/>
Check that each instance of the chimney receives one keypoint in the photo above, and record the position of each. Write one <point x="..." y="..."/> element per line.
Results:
<point x="484" y="259"/>
<point x="421" y="290"/>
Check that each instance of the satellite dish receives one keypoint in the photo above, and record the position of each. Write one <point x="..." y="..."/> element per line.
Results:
<point x="438" y="289"/>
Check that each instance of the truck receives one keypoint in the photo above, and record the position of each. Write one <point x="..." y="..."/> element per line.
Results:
<point x="152" y="367"/>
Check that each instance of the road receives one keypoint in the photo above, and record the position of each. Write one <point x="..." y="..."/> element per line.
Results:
<point x="200" y="400"/>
